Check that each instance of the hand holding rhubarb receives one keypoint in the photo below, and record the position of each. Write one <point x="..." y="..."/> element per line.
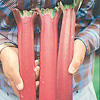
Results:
<point x="11" y="69"/>
<point x="78" y="57"/>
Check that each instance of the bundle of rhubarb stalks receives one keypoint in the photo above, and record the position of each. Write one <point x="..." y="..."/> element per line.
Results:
<point x="55" y="81"/>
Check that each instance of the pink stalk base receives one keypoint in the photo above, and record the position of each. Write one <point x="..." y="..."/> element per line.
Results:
<point x="48" y="56"/>
<point x="26" y="53"/>
<point x="65" y="54"/>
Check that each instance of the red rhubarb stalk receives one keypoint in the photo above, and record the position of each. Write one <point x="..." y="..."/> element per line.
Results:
<point x="25" y="23"/>
<point x="48" y="53"/>
<point x="65" y="53"/>
<point x="73" y="20"/>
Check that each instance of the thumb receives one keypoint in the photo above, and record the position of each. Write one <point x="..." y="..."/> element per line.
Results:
<point x="17" y="80"/>
<point x="78" y="57"/>
<point x="74" y="66"/>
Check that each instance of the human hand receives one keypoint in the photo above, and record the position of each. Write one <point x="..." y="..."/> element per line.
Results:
<point x="78" y="57"/>
<point x="10" y="63"/>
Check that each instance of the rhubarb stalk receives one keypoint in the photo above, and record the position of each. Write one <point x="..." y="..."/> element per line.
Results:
<point x="48" y="53"/>
<point x="65" y="53"/>
<point x="25" y="23"/>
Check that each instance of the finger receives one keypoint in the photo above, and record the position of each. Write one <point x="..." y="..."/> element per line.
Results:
<point x="37" y="69"/>
<point x="36" y="62"/>
<point x="13" y="85"/>
<point x="78" y="57"/>
<point x="37" y="85"/>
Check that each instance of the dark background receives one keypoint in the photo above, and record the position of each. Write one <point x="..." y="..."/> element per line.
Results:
<point x="96" y="12"/>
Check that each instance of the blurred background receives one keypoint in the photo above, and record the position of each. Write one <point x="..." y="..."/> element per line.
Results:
<point x="96" y="78"/>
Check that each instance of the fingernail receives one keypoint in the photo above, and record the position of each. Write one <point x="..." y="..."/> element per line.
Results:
<point x="72" y="70"/>
<point x="20" y="86"/>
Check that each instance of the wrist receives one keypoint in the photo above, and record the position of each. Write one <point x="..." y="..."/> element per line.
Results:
<point x="4" y="45"/>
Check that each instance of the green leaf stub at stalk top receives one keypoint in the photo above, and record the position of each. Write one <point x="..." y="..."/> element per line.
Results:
<point x="26" y="13"/>
<point x="75" y="4"/>
<point x="54" y="13"/>
<point x="66" y="6"/>
<point x="51" y="12"/>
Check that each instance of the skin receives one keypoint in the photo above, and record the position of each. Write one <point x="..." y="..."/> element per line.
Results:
<point x="11" y="66"/>
<point x="11" y="69"/>
<point x="78" y="57"/>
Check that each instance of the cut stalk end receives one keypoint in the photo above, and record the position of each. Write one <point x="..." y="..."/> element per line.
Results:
<point x="66" y="6"/>
<point x="51" y="12"/>
<point x="23" y="13"/>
